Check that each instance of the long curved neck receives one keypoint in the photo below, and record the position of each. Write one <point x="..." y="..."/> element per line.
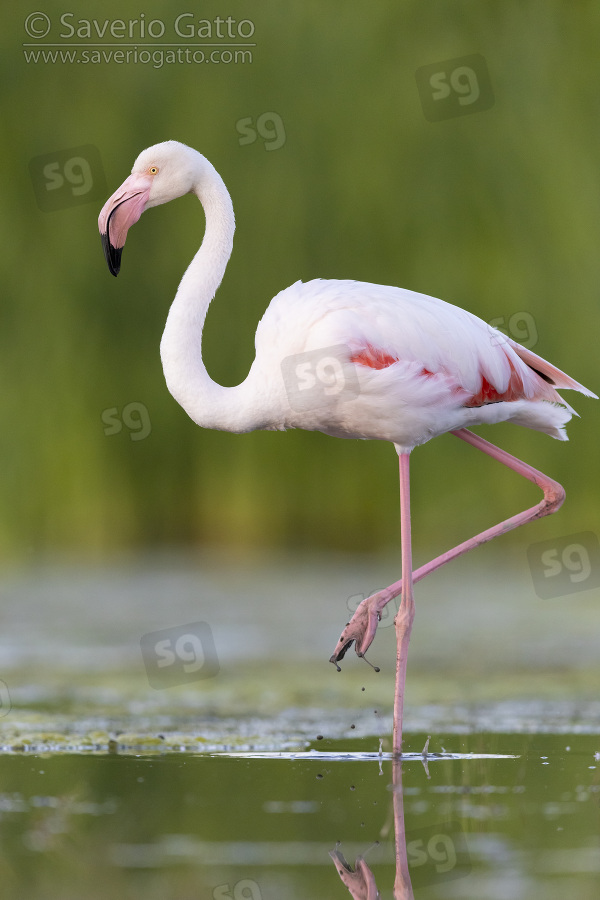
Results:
<point x="207" y="403"/>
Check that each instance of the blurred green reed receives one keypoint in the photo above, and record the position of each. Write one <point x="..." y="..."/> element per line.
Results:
<point x="497" y="211"/>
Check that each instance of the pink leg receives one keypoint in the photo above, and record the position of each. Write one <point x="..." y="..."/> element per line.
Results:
<point x="363" y="625"/>
<point x="406" y="613"/>
<point x="402" y="884"/>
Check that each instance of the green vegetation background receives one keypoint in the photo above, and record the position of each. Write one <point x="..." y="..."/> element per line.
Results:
<point x="497" y="211"/>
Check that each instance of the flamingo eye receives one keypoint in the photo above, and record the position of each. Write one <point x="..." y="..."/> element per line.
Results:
<point x="153" y="170"/>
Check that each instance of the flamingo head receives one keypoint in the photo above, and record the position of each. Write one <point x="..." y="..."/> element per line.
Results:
<point x="160" y="173"/>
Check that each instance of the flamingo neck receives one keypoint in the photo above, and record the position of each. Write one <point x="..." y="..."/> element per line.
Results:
<point x="209" y="404"/>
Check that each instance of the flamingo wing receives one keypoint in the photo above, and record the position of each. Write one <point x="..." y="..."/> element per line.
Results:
<point x="384" y="325"/>
<point x="424" y="366"/>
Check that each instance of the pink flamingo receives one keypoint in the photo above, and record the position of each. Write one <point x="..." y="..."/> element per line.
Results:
<point x="350" y="359"/>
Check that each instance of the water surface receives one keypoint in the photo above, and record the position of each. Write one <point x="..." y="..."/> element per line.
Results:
<point x="271" y="776"/>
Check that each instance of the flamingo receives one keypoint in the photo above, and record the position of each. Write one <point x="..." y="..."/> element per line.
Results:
<point x="350" y="359"/>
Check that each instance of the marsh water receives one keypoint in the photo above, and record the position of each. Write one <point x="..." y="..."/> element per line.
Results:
<point x="172" y="728"/>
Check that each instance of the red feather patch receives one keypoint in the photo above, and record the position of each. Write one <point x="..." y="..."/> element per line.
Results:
<point x="374" y="359"/>
<point x="489" y="394"/>
<point x="379" y="359"/>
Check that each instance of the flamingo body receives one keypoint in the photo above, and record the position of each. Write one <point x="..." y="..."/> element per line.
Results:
<point x="423" y="366"/>
<point x="420" y="366"/>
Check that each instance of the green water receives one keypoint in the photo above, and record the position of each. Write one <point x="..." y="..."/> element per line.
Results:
<point x="239" y="782"/>
<point x="192" y="826"/>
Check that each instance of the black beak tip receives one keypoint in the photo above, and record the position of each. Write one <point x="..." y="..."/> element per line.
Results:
<point x="112" y="255"/>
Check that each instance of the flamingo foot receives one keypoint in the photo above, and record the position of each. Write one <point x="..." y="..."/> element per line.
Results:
<point x="360" y="881"/>
<point x="361" y="628"/>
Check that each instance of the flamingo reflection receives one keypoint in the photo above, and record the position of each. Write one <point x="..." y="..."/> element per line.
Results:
<point x="360" y="881"/>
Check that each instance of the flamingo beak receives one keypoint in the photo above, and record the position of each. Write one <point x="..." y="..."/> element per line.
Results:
<point x="119" y="213"/>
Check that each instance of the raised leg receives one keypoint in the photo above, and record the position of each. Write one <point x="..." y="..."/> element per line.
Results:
<point x="363" y="625"/>
<point x="406" y="614"/>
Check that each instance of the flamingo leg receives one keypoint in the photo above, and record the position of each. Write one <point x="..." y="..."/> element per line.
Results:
<point x="363" y="625"/>
<point x="406" y="614"/>
<point x="402" y="884"/>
